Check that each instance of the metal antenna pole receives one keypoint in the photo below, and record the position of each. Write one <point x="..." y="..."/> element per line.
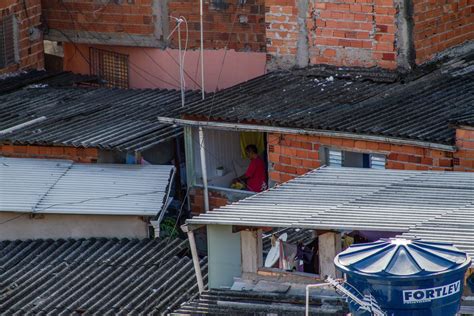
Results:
<point x="181" y="67"/>
<point x="202" y="49"/>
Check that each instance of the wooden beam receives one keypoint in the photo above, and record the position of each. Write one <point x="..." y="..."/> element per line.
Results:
<point x="329" y="247"/>
<point x="251" y="247"/>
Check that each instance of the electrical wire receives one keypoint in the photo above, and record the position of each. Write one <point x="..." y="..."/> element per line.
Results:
<point x="13" y="218"/>
<point x="144" y="50"/>
<point x="103" y="41"/>
<point x="222" y="64"/>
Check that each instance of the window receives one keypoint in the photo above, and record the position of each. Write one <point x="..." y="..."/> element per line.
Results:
<point x="110" y="67"/>
<point x="9" y="54"/>
<point x="339" y="158"/>
<point x="218" y="5"/>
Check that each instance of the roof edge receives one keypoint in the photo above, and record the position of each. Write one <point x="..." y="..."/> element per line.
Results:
<point x="289" y="130"/>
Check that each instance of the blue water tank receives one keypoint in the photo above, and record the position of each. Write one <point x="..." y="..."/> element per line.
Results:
<point x="407" y="277"/>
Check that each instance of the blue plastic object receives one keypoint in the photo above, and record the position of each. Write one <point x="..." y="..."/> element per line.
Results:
<point x="407" y="277"/>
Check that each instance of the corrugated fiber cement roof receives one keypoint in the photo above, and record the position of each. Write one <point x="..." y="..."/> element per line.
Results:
<point x="437" y="206"/>
<point x="96" y="276"/>
<point x="65" y="187"/>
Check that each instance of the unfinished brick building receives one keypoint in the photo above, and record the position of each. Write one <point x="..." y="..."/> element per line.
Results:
<point x="137" y="40"/>
<point x="384" y="33"/>
<point x="21" y="41"/>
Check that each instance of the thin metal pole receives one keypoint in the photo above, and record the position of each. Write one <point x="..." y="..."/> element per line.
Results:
<point x="181" y="75"/>
<point x="202" y="48"/>
<point x="310" y="286"/>
<point x="202" y="150"/>
<point x="197" y="266"/>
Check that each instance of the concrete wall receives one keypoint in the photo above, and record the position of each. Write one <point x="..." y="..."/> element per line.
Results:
<point x="224" y="255"/>
<point x="70" y="226"/>
<point x="157" y="68"/>
<point x="30" y="38"/>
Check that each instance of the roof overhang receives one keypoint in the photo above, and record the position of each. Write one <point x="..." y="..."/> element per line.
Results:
<point x="287" y="130"/>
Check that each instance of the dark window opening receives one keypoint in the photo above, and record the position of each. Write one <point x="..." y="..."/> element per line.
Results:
<point x="111" y="68"/>
<point x="218" y="4"/>
<point x="9" y="54"/>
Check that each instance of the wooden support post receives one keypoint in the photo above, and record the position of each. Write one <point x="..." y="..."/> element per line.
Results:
<point x="252" y="250"/>
<point x="329" y="247"/>
<point x="194" y="254"/>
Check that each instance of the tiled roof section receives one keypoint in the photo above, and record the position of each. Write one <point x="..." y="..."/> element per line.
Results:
<point x="228" y="302"/>
<point x="95" y="276"/>
<point x="350" y="102"/>
<point x="15" y="81"/>
<point x="85" y="117"/>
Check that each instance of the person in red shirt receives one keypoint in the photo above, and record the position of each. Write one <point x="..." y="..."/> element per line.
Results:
<point x="254" y="177"/>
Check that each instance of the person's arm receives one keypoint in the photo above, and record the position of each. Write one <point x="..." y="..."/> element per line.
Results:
<point x="248" y="174"/>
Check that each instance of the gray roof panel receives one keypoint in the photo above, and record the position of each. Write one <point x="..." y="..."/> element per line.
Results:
<point x="410" y="202"/>
<point x="116" y="119"/>
<point x="65" y="187"/>
<point x="96" y="276"/>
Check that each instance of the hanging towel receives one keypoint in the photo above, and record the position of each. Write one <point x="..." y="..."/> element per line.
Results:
<point x="249" y="138"/>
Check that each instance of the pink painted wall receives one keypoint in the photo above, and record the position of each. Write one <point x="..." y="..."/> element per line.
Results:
<point x="157" y="68"/>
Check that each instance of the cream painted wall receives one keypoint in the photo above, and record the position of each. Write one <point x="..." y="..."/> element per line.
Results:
<point x="158" y="68"/>
<point x="57" y="226"/>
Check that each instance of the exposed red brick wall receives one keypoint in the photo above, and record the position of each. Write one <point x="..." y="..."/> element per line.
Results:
<point x="441" y="24"/>
<point x="50" y="152"/>
<point x="134" y="17"/>
<point x="31" y="51"/>
<point x="216" y="200"/>
<point x="464" y="157"/>
<point x="282" y="27"/>
<point x="245" y="25"/>
<point x="367" y="33"/>
<point x="292" y="155"/>
<point x="342" y="32"/>
<point x="353" y="33"/>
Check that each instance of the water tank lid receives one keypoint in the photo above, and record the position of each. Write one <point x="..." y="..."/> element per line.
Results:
<point x="401" y="257"/>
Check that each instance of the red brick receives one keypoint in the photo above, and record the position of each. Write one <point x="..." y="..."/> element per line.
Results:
<point x="284" y="160"/>
<point x="275" y="176"/>
<point x="360" y="144"/>
<point x="395" y="165"/>
<point x="302" y="153"/>
<point x="446" y="162"/>
<point x="286" y="177"/>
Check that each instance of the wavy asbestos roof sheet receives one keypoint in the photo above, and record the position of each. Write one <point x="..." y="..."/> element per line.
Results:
<point x="346" y="100"/>
<point x="96" y="276"/>
<point x="65" y="187"/>
<point x="118" y="119"/>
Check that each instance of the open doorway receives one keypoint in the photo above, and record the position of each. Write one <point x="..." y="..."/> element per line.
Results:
<point x="227" y="158"/>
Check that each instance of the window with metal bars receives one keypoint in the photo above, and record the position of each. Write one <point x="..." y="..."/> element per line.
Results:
<point x="111" y="67"/>
<point x="339" y="158"/>
<point x="9" y="54"/>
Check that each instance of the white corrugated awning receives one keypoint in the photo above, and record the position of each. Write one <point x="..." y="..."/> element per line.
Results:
<point x="65" y="187"/>
<point x="429" y="204"/>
